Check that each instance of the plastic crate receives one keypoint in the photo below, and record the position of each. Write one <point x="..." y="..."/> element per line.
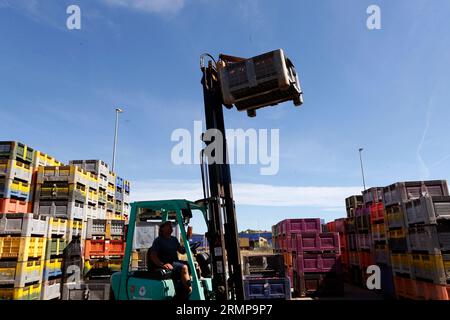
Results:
<point x="427" y="210"/>
<point x="55" y="191"/>
<point x="15" y="206"/>
<point x="23" y="225"/>
<point x="309" y="241"/>
<point x="398" y="241"/>
<point x="31" y="292"/>
<point x="118" y="195"/>
<point x="260" y="288"/>
<point x="431" y="267"/>
<point x="19" y="274"/>
<point x="301" y="225"/>
<point x="321" y="284"/>
<point x="379" y="232"/>
<point x="264" y="265"/>
<point x="405" y="288"/>
<point x="363" y="222"/>
<point x="53" y="268"/>
<point x="376" y="212"/>
<point x="400" y="192"/>
<point x="381" y="254"/>
<point x="96" y="227"/>
<point x="364" y="241"/>
<point x="55" y="247"/>
<point x="352" y="242"/>
<point x="402" y="263"/>
<point x="69" y="174"/>
<point x="14" y="150"/>
<point x="350" y="225"/>
<point x="92" y="195"/>
<point x="61" y="209"/>
<point x="318" y="262"/>
<point x="14" y="189"/>
<point x="91" y="211"/>
<point x="353" y="202"/>
<point x="57" y="227"/>
<point x="12" y="169"/>
<point x="431" y="291"/>
<point x="365" y="259"/>
<point x="42" y="160"/>
<point x="22" y="248"/>
<point x="111" y="190"/>
<point x="372" y="195"/>
<point x="101" y="211"/>
<point x="75" y="228"/>
<point x="51" y="290"/>
<point x="102" y="196"/>
<point x="104" y="248"/>
<point x="424" y="238"/>
<point x="443" y="229"/>
<point x="340" y="225"/>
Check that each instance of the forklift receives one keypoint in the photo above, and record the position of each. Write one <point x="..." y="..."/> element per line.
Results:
<point x="248" y="84"/>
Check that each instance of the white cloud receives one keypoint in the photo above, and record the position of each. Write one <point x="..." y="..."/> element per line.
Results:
<point x="331" y="198"/>
<point x="152" y="6"/>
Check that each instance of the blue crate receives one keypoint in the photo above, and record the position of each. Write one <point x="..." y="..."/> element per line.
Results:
<point x="119" y="182"/>
<point x="267" y="288"/>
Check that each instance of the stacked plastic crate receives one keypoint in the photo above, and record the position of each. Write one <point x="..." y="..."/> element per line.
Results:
<point x="422" y="267"/>
<point x="353" y="204"/>
<point x="16" y="160"/>
<point x="23" y="239"/>
<point x="373" y="202"/>
<point x="110" y="197"/>
<point x="317" y="266"/>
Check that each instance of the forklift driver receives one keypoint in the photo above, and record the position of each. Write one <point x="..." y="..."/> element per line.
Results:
<point x="164" y="255"/>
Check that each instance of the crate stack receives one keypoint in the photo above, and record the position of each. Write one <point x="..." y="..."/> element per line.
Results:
<point x="110" y="197"/>
<point x="105" y="247"/>
<point x="353" y="204"/>
<point x="373" y="202"/>
<point x="23" y="240"/>
<point x="313" y="257"/>
<point x="41" y="159"/>
<point x="420" y="248"/>
<point x="16" y="161"/>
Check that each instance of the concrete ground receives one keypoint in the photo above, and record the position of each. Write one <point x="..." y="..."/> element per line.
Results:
<point x="350" y="293"/>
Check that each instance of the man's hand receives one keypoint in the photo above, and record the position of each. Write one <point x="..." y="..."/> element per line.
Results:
<point x="168" y="266"/>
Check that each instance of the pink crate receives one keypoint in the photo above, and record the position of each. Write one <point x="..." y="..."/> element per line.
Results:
<point x="340" y="225"/>
<point x="364" y="241"/>
<point x="319" y="262"/>
<point x="302" y="225"/>
<point x="307" y="241"/>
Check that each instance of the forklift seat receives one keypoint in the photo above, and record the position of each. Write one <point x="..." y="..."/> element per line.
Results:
<point x="157" y="274"/>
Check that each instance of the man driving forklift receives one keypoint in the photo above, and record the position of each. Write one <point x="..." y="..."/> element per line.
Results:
<point x="164" y="255"/>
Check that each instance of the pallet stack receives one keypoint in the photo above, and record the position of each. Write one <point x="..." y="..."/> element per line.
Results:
<point x="353" y="273"/>
<point x="316" y="259"/>
<point x="419" y="249"/>
<point x="16" y="161"/>
<point x="23" y="240"/>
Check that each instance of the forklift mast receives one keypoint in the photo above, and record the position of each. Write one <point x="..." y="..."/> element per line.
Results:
<point x="222" y="225"/>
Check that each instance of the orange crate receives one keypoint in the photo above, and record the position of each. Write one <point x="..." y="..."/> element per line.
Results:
<point x="116" y="247"/>
<point x="15" y="206"/>
<point x="431" y="291"/>
<point x="103" y="248"/>
<point x="405" y="288"/>
<point x="365" y="259"/>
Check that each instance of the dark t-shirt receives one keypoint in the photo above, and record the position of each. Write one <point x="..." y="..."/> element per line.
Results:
<point x="166" y="249"/>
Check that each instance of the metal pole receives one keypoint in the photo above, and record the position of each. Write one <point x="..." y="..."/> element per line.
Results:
<point x="118" y="110"/>
<point x="362" y="169"/>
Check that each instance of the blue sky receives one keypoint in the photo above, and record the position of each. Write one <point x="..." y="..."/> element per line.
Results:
<point x="385" y="90"/>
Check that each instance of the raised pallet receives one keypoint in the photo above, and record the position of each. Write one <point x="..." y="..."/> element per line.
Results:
<point x="22" y="248"/>
<point x="51" y="290"/>
<point x="30" y="292"/>
<point x="15" y="206"/>
<point x="20" y="274"/>
<point x="13" y="169"/>
<point x="23" y="225"/>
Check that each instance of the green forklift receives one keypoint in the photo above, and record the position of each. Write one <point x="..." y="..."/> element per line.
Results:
<point x="157" y="284"/>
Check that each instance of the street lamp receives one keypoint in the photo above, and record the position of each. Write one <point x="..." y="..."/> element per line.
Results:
<point x="118" y="110"/>
<point x="362" y="169"/>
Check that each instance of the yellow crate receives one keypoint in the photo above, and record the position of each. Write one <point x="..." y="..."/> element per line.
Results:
<point x="57" y="226"/>
<point x="42" y="159"/>
<point x="53" y="264"/>
<point x="402" y="262"/>
<point x="20" y="186"/>
<point x="66" y="189"/>
<point x="397" y="234"/>
<point x="21" y="273"/>
<point x="22" y="248"/>
<point x="31" y="292"/>
<point x="428" y="261"/>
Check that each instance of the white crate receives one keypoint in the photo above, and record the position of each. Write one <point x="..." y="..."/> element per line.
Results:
<point x="20" y="274"/>
<point x="61" y="209"/>
<point x="23" y="224"/>
<point x="91" y="211"/>
<point x="126" y="208"/>
<point x="101" y="211"/>
<point x="12" y="169"/>
<point x="57" y="227"/>
<point x="51" y="290"/>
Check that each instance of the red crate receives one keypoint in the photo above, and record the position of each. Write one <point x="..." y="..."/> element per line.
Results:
<point x="345" y="257"/>
<point x="104" y="248"/>
<point x="342" y="241"/>
<point x="15" y="206"/>
<point x="431" y="291"/>
<point x="331" y="226"/>
<point x="319" y="262"/>
<point x="307" y="242"/>
<point x="365" y="259"/>
<point x="301" y="225"/>
<point x="340" y="225"/>
<point x="376" y="212"/>
<point x="405" y="288"/>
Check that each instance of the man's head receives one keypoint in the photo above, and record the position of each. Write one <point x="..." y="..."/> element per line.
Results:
<point x="165" y="229"/>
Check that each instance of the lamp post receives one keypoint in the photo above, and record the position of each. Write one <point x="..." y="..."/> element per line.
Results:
<point x="362" y="168"/>
<point x="118" y="110"/>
